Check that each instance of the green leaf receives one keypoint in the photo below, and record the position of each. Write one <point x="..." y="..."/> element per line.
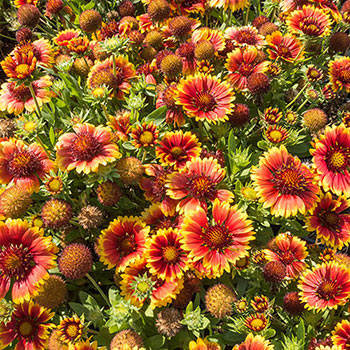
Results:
<point x="155" y="342"/>
<point x="157" y="116"/>
<point x="52" y="136"/>
<point x="77" y="308"/>
<point x="301" y="331"/>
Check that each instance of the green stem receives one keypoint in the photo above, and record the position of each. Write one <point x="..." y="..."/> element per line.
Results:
<point x="7" y="37"/>
<point x="247" y="15"/>
<point x="103" y="295"/>
<point x="114" y="66"/>
<point x="144" y="156"/>
<point x="297" y="96"/>
<point x="32" y="92"/>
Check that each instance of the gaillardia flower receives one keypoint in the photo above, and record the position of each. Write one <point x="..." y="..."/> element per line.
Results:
<point x="331" y="157"/>
<point x="17" y="98"/>
<point x="254" y="342"/>
<point x="165" y="255"/>
<point x="64" y="37"/>
<point x="205" y="98"/>
<point x="177" y="148"/>
<point x="289" y="250"/>
<point x="325" y="286"/>
<point x="197" y="183"/>
<point x="216" y="242"/>
<point x="331" y="221"/>
<point x="233" y="5"/>
<point x="19" y="65"/>
<point x="86" y="149"/>
<point x="70" y="329"/>
<point x="29" y="326"/>
<point x="310" y="21"/>
<point x="25" y="257"/>
<point x="284" y="183"/>
<point x="122" y="242"/>
<point x="341" y="334"/>
<point x="23" y="165"/>
<point x="339" y="73"/>
<point x="245" y="36"/>
<point x="203" y="344"/>
<point x="256" y="322"/>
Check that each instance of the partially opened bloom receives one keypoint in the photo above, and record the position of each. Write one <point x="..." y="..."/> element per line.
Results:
<point x="245" y="36"/>
<point x="331" y="157"/>
<point x="19" y="65"/>
<point x="15" y="99"/>
<point x="256" y="322"/>
<point x="284" y="184"/>
<point x="122" y="242"/>
<point x="87" y="345"/>
<point x="241" y="64"/>
<point x="325" y="286"/>
<point x="23" y="165"/>
<point x="218" y="240"/>
<point x="289" y="250"/>
<point x="216" y="37"/>
<point x="165" y="255"/>
<point x="197" y="183"/>
<point x="233" y="5"/>
<point x="331" y="221"/>
<point x="205" y="97"/>
<point x="287" y="47"/>
<point x="255" y="342"/>
<point x="276" y="133"/>
<point x="25" y="257"/>
<point x="29" y="326"/>
<point x="63" y="38"/>
<point x="310" y="21"/>
<point x="203" y="344"/>
<point x="86" y="148"/>
<point x="70" y="329"/>
<point x="144" y="135"/>
<point x="339" y="73"/>
<point x="341" y="334"/>
<point x="177" y="148"/>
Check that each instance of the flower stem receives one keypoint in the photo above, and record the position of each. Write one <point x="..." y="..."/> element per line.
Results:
<point x="103" y="295"/>
<point x="297" y="96"/>
<point x="32" y="92"/>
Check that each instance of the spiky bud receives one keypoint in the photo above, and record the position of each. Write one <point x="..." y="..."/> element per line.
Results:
<point x="90" y="217"/>
<point x="292" y="303"/>
<point x="315" y="119"/>
<point x="14" y="202"/>
<point x="155" y="39"/>
<point x="130" y="170"/>
<point x="28" y="15"/>
<point x="158" y="10"/>
<point x="240" y="115"/>
<point x="108" y="193"/>
<point x="126" y="337"/>
<point x="24" y="34"/>
<point x="126" y="8"/>
<point x="219" y="299"/>
<point x="180" y="26"/>
<point x="274" y="271"/>
<point x="168" y="321"/>
<point x="56" y="213"/>
<point x="204" y="51"/>
<point x="258" y="83"/>
<point x="171" y="66"/>
<point x="339" y="42"/>
<point x="52" y="293"/>
<point x="90" y="21"/>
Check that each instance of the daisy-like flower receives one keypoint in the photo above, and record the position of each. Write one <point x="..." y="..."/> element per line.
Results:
<point x="289" y="250"/>
<point x="19" y="65"/>
<point x="203" y="344"/>
<point x="70" y="330"/>
<point x="216" y="37"/>
<point x="139" y="286"/>
<point x="254" y="342"/>
<point x="87" y="345"/>
<point x="19" y="3"/>
<point x="63" y="38"/>
<point x="325" y="286"/>
<point x="154" y="187"/>
<point x="260" y="303"/>
<point x="23" y="165"/>
<point x="284" y="184"/>
<point x="25" y="257"/>
<point x="256" y="322"/>
<point x="241" y="64"/>
<point x="341" y="334"/>
<point x="86" y="148"/>
<point x="78" y="45"/>
<point x="177" y="148"/>
<point x="286" y="47"/>
<point x="121" y="124"/>
<point x="197" y="183"/>
<point x="331" y="157"/>
<point x="144" y="135"/>
<point x="276" y="133"/>
<point x="29" y="326"/>
<point x="272" y="115"/>
<point x="217" y="242"/>
<point x="193" y="6"/>
<point x="310" y="21"/>
<point x="165" y="256"/>
<point x="115" y="73"/>
<point x="122" y="242"/>
<point x="331" y="221"/>
<point x="233" y="5"/>
<point x="339" y="73"/>
<point x="205" y="98"/>
<point x="17" y="98"/>
<point x="245" y="36"/>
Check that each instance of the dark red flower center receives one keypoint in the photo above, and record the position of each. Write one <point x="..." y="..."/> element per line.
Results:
<point x="170" y="254"/>
<point x="205" y="102"/>
<point x="289" y="180"/>
<point x="25" y="329"/>
<point x="217" y="237"/>
<point x="21" y="92"/>
<point x="327" y="290"/>
<point x="245" y="69"/>
<point x="338" y="159"/>
<point x="330" y="220"/>
<point x="158" y="188"/>
<point x="126" y="245"/>
<point x="176" y="151"/>
<point x="106" y="77"/>
<point x="283" y="51"/>
<point x="246" y="36"/>
<point x="16" y="261"/>
<point x="85" y="147"/>
<point x="202" y="186"/>
<point x="189" y="3"/>
<point x="310" y="26"/>
<point x="287" y="257"/>
<point x="23" y="164"/>
<point x="344" y="76"/>
<point x="169" y="97"/>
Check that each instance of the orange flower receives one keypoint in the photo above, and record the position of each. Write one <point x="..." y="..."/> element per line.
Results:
<point x="20" y="65"/>
<point x="144" y="135"/>
<point x="339" y="73"/>
<point x="203" y="344"/>
<point x="233" y="5"/>
<point x="63" y="38"/>
<point x="245" y="36"/>
<point x="254" y="342"/>
<point x="341" y="334"/>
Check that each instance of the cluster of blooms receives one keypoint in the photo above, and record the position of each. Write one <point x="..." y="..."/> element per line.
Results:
<point x="175" y="175"/>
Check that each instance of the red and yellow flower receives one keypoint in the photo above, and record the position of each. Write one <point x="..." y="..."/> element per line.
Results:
<point x="205" y="98"/>
<point x="63" y="38"/>
<point x="19" y="65"/>
<point x="165" y="255"/>
<point x="177" y="148"/>
<point x="284" y="184"/>
<point x="17" y="98"/>
<point x="256" y="322"/>
<point x="325" y="286"/>
<point x="339" y="73"/>
<point x="341" y="334"/>
<point x="219" y="241"/>
<point x="19" y="3"/>
<point x="260" y="303"/>
<point x="121" y="124"/>
<point x="233" y="5"/>
<point x="331" y="221"/>
<point x="25" y="257"/>
<point x="245" y="36"/>
<point x="289" y="250"/>
<point x="241" y="63"/>
<point x="254" y="342"/>
<point x="216" y="37"/>
<point x="86" y="149"/>
<point x="70" y="330"/>
<point x="29" y="326"/>
<point x="286" y="47"/>
<point x="23" y="165"/>
<point x="310" y="21"/>
<point x="203" y="344"/>
<point x="272" y="115"/>
<point x="331" y="157"/>
<point x="144" y="135"/>
<point x="276" y="133"/>
<point x="122" y="242"/>
<point x="197" y="183"/>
